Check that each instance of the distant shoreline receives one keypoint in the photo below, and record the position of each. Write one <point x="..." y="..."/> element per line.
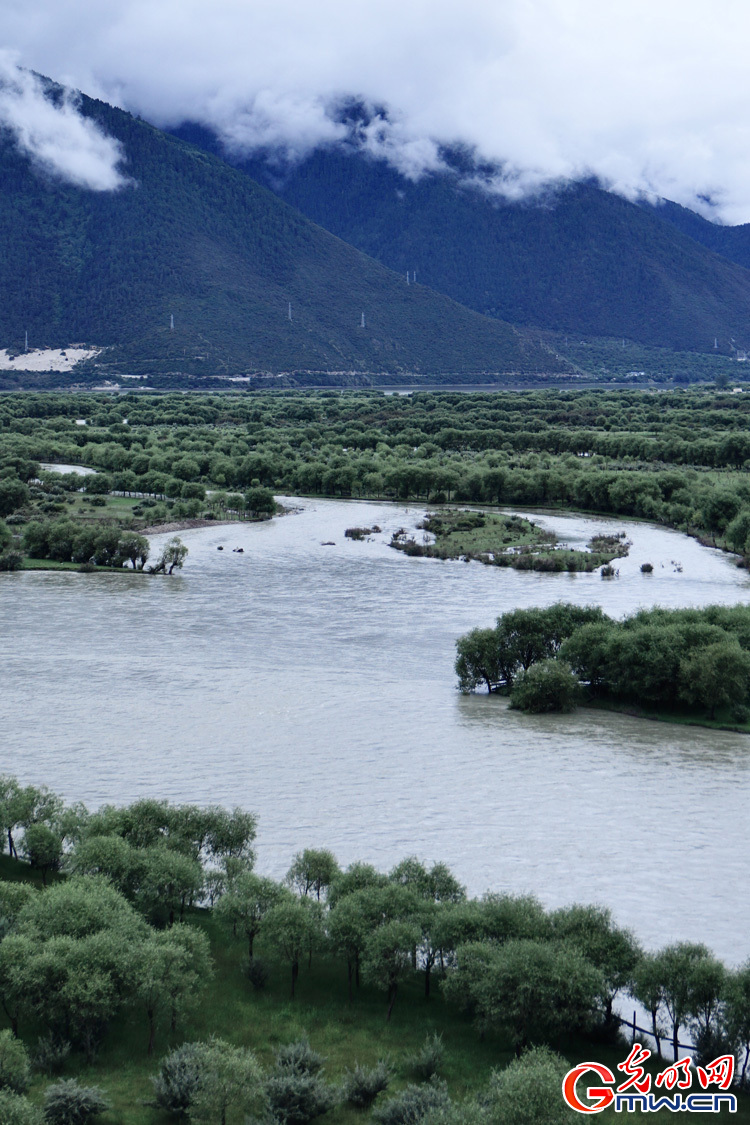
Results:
<point x="186" y="525"/>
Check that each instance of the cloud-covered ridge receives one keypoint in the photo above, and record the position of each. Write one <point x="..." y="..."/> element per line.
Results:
<point x="53" y="132"/>
<point x="649" y="97"/>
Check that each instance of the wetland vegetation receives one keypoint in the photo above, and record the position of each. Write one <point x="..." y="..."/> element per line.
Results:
<point x="679" y="458"/>
<point x="682" y="663"/>
<point x="499" y="540"/>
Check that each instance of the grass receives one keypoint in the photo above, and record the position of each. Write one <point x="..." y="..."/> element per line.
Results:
<point x="261" y="1021"/>
<point x="681" y="716"/>
<point x="502" y="540"/>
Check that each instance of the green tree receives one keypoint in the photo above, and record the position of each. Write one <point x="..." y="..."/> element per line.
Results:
<point x="478" y="660"/>
<point x="547" y="686"/>
<point x="532" y="990"/>
<point x="172" y="965"/>
<point x="737" y="1014"/>
<point x="43" y="849"/>
<point x="612" y="950"/>
<point x="246" y="903"/>
<point x="231" y="1081"/>
<point x="134" y="548"/>
<point x="290" y="927"/>
<point x="173" y="556"/>
<point x="387" y="958"/>
<point x="349" y="929"/>
<point x="13" y="495"/>
<point x="357" y="877"/>
<point x="685" y="972"/>
<point x="15" y="1070"/>
<point x="71" y="958"/>
<point x="647" y="988"/>
<point x="312" y="871"/>
<point x="166" y="882"/>
<point x="260" y="501"/>
<point x="716" y="676"/>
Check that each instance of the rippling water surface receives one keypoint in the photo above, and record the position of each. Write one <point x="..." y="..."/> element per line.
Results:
<point x="314" y="684"/>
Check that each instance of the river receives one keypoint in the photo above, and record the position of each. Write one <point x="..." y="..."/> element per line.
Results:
<point x="314" y="685"/>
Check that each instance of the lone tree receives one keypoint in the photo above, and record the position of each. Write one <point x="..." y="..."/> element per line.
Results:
<point x="172" y="557"/>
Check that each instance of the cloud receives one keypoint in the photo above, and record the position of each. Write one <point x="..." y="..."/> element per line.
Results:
<point x="54" y="134"/>
<point x="650" y="97"/>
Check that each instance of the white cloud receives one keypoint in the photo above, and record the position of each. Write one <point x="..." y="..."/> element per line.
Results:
<point x="54" y="134"/>
<point x="650" y="95"/>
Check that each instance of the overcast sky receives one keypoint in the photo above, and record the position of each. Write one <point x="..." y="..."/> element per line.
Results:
<point x="650" y="95"/>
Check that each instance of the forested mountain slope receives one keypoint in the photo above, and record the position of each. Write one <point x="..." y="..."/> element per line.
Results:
<point x="580" y="260"/>
<point x="194" y="238"/>
<point x="731" y="242"/>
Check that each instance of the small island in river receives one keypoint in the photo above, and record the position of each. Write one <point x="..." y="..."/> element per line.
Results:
<point x="497" y="539"/>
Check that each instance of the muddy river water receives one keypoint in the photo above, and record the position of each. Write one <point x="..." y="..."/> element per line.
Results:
<point x="314" y="685"/>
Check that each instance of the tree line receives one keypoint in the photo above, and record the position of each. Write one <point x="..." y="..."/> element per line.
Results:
<point x="678" y="458"/>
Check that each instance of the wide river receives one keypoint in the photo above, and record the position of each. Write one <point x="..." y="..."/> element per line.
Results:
<point x="314" y="685"/>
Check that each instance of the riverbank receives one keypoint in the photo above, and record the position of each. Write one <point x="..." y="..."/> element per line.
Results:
<point x="676" y="718"/>
<point x="184" y="525"/>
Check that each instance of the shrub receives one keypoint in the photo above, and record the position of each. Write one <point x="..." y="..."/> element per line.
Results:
<point x="11" y="560"/>
<point x="608" y="571"/>
<point x="528" y="1091"/>
<point x="176" y="1084"/>
<point x="646" y="568"/>
<point x="50" y="1054"/>
<point x="362" y="1085"/>
<point x="549" y="685"/>
<point x="299" y="1056"/>
<point x="15" y="1072"/>
<point x="67" y="1103"/>
<point x="413" y="1104"/>
<point x="296" y="1097"/>
<point x="741" y="713"/>
<point x="257" y="972"/>
<point x="428" y="1060"/>
<point x="16" y="1110"/>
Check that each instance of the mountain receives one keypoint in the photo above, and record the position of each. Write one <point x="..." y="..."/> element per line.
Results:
<point x="731" y="242"/>
<point x="197" y="240"/>
<point x="580" y="259"/>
